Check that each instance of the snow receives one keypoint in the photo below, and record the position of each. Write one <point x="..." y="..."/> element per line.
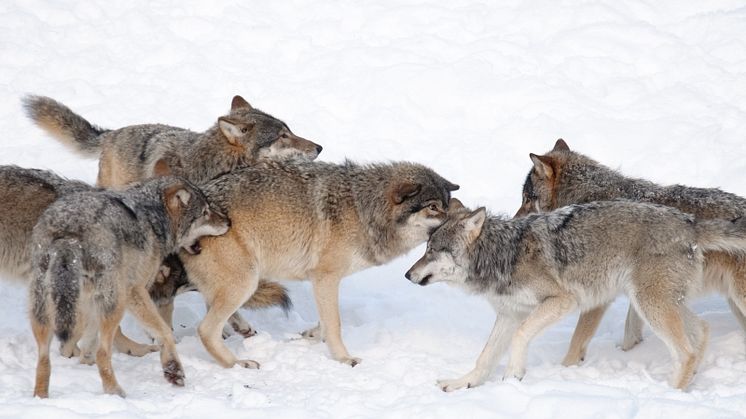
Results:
<point x="655" y="88"/>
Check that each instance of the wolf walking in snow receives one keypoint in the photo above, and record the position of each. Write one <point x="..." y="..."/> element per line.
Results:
<point x="563" y="177"/>
<point x="539" y="268"/>
<point x="135" y="153"/>
<point x="318" y="221"/>
<point x="95" y="253"/>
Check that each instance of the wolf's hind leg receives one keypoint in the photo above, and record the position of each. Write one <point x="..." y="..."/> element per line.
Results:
<point x="632" y="329"/>
<point x="43" y="335"/>
<point x="585" y="329"/>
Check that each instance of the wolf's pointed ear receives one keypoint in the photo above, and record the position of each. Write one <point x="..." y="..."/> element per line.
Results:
<point x="473" y="223"/>
<point x="238" y="102"/>
<point x="232" y="130"/>
<point x="542" y="165"/>
<point x="451" y="186"/>
<point x="455" y="205"/>
<point x="162" y="168"/>
<point x="177" y="197"/>
<point x="561" y="145"/>
<point x="404" y="191"/>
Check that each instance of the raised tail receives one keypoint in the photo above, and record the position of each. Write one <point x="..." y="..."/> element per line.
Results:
<point x="270" y="294"/>
<point x="65" y="125"/>
<point x="65" y="280"/>
<point x="722" y="235"/>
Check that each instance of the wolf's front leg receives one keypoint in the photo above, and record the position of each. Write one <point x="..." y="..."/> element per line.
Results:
<point x="548" y="312"/>
<point x="504" y="326"/>
<point x="326" y="292"/>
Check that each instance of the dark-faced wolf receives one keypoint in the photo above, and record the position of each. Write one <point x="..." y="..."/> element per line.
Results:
<point x="539" y="268"/>
<point x="94" y="254"/>
<point x="314" y="221"/>
<point x="563" y="177"/>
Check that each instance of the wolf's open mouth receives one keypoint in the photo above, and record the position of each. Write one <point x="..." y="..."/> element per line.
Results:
<point x="195" y="248"/>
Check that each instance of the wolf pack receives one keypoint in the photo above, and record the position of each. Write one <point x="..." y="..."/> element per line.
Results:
<point x="229" y="211"/>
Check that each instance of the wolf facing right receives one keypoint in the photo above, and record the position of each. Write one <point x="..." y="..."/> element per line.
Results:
<point x="564" y="177"/>
<point x="95" y="253"/>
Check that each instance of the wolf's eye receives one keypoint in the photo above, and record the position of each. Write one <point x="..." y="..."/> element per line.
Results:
<point x="284" y="135"/>
<point x="433" y="207"/>
<point x="244" y="130"/>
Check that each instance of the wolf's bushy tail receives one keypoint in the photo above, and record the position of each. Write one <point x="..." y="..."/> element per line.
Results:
<point x="269" y="294"/>
<point x="65" y="125"/>
<point x="65" y="277"/>
<point x="722" y="235"/>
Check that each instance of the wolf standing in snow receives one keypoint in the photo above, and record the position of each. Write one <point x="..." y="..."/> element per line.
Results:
<point x="316" y="221"/>
<point x="135" y="153"/>
<point x="539" y="268"/>
<point x="95" y="254"/>
<point x="563" y="177"/>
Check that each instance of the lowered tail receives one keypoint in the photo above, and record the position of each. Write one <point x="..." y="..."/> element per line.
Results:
<point x="65" y="276"/>
<point x="722" y="235"/>
<point x="269" y="294"/>
<point x="65" y="125"/>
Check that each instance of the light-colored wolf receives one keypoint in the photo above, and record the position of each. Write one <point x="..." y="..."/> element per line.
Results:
<point x="316" y="221"/>
<point x="138" y="152"/>
<point x="95" y="254"/>
<point x="563" y="177"/>
<point x="539" y="268"/>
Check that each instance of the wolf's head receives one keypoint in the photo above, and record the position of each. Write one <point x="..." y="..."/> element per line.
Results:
<point x="259" y="135"/>
<point x="192" y="217"/>
<point x="419" y="201"/>
<point x="540" y="187"/>
<point x="446" y="256"/>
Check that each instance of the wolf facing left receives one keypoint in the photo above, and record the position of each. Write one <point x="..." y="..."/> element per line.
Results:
<point x="539" y="268"/>
<point x="95" y="253"/>
<point x="564" y="176"/>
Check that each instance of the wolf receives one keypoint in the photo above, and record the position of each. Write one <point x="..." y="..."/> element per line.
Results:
<point x="135" y="153"/>
<point x="536" y="269"/>
<point x="26" y="193"/>
<point x="562" y="177"/>
<point x="317" y="221"/>
<point x="95" y="253"/>
<point x="139" y="152"/>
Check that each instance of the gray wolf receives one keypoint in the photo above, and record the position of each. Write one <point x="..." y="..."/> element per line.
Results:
<point x="26" y="193"/>
<point x="316" y="221"/>
<point x="562" y="177"/>
<point x="539" y="268"/>
<point x="135" y="153"/>
<point x="95" y="254"/>
<point x="139" y="152"/>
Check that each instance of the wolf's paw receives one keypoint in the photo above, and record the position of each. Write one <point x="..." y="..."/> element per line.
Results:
<point x="350" y="361"/>
<point x="514" y="373"/>
<point x="630" y="342"/>
<point x="142" y="350"/>
<point x="312" y="334"/>
<point x="87" y="358"/>
<point x="247" y="363"/>
<point x="457" y="384"/>
<point x="174" y="373"/>
<point x="115" y="390"/>
<point x="573" y="359"/>
<point x="246" y="332"/>
<point x="69" y="351"/>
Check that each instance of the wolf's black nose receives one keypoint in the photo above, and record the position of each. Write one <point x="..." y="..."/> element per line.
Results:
<point x="318" y="149"/>
<point x="408" y="275"/>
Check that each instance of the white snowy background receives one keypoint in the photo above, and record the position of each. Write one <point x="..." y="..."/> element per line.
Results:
<point x="656" y="88"/>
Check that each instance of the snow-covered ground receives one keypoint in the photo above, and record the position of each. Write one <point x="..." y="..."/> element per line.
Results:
<point x="654" y="87"/>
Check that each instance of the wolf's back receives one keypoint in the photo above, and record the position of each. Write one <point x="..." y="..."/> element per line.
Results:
<point x="65" y="125"/>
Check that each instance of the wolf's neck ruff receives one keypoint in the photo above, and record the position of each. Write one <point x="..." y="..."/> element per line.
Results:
<point x="493" y="254"/>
